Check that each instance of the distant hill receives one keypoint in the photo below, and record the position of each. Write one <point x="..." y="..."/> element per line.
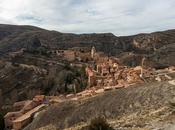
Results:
<point x="151" y="45"/>
<point x="16" y="37"/>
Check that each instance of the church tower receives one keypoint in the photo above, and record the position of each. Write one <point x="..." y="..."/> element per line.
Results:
<point x="93" y="51"/>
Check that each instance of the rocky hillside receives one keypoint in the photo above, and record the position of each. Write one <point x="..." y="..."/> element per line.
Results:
<point x="16" y="37"/>
<point x="158" y="47"/>
<point x="142" y="107"/>
<point x="130" y="49"/>
<point x="21" y="81"/>
<point x="150" y="42"/>
<point x="31" y="74"/>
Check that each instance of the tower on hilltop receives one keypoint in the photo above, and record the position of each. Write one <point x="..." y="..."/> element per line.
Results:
<point x="93" y="51"/>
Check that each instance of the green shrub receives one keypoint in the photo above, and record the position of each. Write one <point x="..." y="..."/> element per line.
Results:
<point x="98" y="123"/>
<point x="48" y="85"/>
<point x="2" y="124"/>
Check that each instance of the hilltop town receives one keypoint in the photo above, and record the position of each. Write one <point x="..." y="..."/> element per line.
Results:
<point x="88" y="75"/>
<point x="104" y="73"/>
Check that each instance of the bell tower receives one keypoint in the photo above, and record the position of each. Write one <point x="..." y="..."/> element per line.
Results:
<point x="93" y="51"/>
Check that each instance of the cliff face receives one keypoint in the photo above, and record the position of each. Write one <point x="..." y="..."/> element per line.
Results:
<point x="157" y="47"/>
<point x="150" y="42"/>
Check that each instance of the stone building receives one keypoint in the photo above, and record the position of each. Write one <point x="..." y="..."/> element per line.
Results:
<point x="91" y="76"/>
<point x="69" y="55"/>
<point x="66" y="54"/>
<point x="22" y="121"/>
<point x="24" y="110"/>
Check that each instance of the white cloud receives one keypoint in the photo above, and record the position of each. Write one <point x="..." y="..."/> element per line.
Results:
<point x="121" y="17"/>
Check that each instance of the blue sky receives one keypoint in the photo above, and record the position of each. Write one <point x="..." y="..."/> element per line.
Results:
<point x="121" y="17"/>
